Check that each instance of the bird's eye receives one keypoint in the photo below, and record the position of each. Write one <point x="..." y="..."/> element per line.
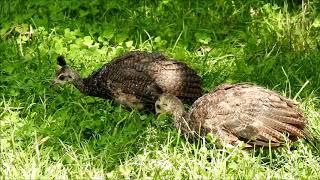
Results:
<point x="61" y="78"/>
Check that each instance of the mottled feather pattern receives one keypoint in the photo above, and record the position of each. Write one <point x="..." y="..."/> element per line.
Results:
<point x="114" y="81"/>
<point x="252" y="113"/>
<point x="171" y="76"/>
<point x="141" y="77"/>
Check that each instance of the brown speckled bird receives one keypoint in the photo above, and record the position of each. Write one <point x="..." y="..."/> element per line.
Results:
<point x="135" y="80"/>
<point x="244" y="113"/>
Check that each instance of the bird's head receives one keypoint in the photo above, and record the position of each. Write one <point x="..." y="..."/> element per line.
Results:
<point x="169" y="104"/>
<point x="64" y="73"/>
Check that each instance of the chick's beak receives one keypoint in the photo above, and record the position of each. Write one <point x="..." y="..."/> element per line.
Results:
<point x="159" y="113"/>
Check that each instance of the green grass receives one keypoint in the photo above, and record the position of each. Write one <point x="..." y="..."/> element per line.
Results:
<point x="59" y="133"/>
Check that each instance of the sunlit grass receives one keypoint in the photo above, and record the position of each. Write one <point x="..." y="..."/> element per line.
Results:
<point x="59" y="133"/>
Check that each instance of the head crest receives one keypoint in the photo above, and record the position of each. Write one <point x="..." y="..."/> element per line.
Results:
<point x="61" y="61"/>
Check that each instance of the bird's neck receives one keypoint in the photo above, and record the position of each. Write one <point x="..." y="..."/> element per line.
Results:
<point x="179" y="113"/>
<point x="182" y="120"/>
<point x="80" y="84"/>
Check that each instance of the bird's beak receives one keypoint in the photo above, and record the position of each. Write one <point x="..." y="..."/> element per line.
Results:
<point x="158" y="113"/>
<point x="162" y="113"/>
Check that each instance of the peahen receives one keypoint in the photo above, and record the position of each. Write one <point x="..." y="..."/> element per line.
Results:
<point x="135" y="80"/>
<point x="238" y="114"/>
